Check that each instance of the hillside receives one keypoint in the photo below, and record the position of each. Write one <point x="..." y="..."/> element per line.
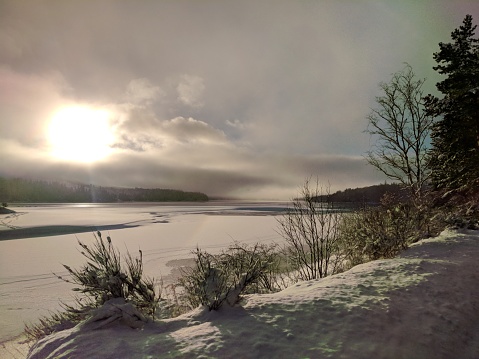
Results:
<point x="370" y="194"/>
<point x="422" y="304"/>
<point x="35" y="191"/>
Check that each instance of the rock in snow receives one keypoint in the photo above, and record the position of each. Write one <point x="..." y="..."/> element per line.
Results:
<point x="423" y="304"/>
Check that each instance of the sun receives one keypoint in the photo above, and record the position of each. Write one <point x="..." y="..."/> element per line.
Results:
<point x="80" y="134"/>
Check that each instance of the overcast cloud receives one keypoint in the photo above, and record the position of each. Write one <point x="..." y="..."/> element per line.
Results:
<point x="232" y="98"/>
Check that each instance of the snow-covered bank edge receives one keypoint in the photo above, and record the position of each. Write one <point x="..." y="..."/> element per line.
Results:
<point x="423" y="304"/>
<point x="15" y="348"/>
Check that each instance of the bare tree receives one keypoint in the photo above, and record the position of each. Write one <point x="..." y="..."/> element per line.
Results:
<point x="401" y="128"/>
<point x="311" y="231"/>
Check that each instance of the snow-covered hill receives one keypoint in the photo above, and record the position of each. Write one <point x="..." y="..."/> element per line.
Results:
<point x="423" y="304"/>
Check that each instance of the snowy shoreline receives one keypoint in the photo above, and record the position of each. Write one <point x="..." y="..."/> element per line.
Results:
<point x="422" y="304"/>
<point x="163" y="231"/>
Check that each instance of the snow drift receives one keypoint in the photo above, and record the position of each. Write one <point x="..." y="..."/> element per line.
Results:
<point x="423" y="304"/>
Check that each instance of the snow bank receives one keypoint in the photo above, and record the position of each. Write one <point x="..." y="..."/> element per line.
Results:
<point x="423" y="304"/>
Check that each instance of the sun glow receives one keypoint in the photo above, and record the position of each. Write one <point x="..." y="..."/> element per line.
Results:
<point x="80" y="134"/>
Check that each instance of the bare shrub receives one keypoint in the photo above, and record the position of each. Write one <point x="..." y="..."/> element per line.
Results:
<point x="458" y="208"/>
<point x="223" y="278"/>
<point x="311" y="231"/>
<point x="379" y="232"/>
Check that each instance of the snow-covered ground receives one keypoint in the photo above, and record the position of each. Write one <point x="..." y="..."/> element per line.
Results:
<point x="423" y="304"/>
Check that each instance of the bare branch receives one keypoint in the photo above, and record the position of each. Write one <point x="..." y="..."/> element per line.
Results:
<point x="400" y="127"/>
<point x="310" y="229"/>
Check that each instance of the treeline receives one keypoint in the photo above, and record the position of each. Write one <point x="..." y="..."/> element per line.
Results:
<point x="371" y="194"/>
<point x="364" y="195"/>
<point x="36" y="191"/>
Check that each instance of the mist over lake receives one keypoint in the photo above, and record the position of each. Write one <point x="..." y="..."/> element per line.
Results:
<point x="47" y="237"/>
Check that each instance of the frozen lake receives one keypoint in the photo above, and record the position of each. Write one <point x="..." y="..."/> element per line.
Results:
<point x="163" y="231"/>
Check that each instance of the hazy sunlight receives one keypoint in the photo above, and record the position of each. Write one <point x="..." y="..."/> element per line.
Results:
<point x="80" y="133"/>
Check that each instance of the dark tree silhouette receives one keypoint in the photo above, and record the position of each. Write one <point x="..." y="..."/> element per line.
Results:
<point x="454" y="158"/>
<point x="401" y="128"/>
<point x="34" y="191"/>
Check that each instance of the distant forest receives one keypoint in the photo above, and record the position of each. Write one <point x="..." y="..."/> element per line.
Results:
<point x="35" y="191"/>
<point x="366" y="195"/>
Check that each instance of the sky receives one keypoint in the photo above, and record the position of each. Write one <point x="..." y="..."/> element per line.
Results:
<point x="237" y="99"/>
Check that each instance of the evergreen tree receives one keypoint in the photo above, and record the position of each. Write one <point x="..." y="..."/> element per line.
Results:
<point x="454" y="158"/>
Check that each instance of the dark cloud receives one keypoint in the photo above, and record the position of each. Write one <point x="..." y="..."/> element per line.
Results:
<point x="191" y="130"/>
<point x="136" y="144"/>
